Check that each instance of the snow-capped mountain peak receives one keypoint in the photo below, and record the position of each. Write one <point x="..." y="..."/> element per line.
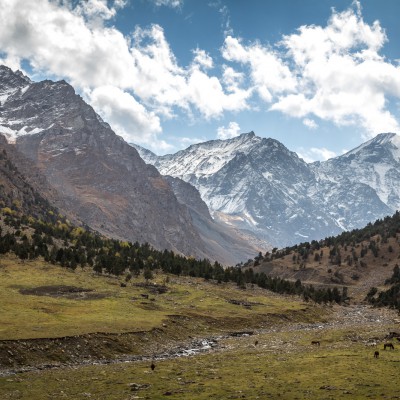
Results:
<point x="258" y="184"/>
<point x="206" y="158"/>
<point x="29" y="108"/>
<point x="379" y="141"/>
<point x="375" y="163"/>
<point x="11" y="83"/>
<point x="242" y="180"/>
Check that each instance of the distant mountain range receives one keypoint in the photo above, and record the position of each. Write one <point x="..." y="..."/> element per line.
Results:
<point x="257" y="184"/>
<point x="224" y="199"/>
<point x="94" y="177"/>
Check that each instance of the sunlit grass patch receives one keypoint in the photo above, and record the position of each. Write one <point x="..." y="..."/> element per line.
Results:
<point x="112" y="308"/>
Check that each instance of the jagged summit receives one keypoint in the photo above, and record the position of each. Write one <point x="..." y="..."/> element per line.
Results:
<point x="147" y="155"/>
<point x="389" y="141"/>
<point x="10" y="76"/>
<point x="242" y="138"/>
<point x="30" y="108"/>
<point x="247" y="181"/>
<point x="375" y="164"/>
<point x="10" y="83"/>
<point x="207" y="158"/>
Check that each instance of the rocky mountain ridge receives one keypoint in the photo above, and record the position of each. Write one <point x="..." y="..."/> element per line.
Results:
<point x="257" y="184"/>
<point x="99" y="179"/>
<point x="375" y="163"/>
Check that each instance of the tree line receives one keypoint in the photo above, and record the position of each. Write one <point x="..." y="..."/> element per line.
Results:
<point x="385" y="228"/>
<point x="61" y="243"/>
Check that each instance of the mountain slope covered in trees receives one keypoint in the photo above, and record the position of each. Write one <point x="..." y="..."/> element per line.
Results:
<point x="359" y="260"/>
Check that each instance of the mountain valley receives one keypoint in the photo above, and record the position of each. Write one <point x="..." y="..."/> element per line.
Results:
<point x="84" y="311"/>
<point x="199" y="200"/>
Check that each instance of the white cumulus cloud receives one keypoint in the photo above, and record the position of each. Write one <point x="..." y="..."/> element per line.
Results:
<point x="99" y="10"/>
<point x="269" y="73"/>
<point x="202" y="59"/>
<point x="342" y="77"/>
<point x="162" y="83"/>
<point x="60" y="41"/>
<point x="315" y="154"/>
<point x="76" y="43"/>
<point x="127" y="117"/>
<point x="168" y="3"/>
<point x="310" y="123"/>
<point x="334" y="72"/>
<point x="231" y="131"/>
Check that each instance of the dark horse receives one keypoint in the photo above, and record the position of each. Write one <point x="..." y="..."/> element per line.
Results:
<point x="388" y="345"/>
<point x="316" y="342"/>
<point x="376" y="354"/>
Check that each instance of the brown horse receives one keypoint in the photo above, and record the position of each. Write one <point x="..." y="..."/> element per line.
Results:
<point x="376" y="354"/>
<point x="388" y="345"/>
<point x="316" y="343"/>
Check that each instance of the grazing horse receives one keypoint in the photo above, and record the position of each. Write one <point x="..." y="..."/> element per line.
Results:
<point x="388" y="345"/>
<point x="376" y="354"/>
<point x="316" y="343"/>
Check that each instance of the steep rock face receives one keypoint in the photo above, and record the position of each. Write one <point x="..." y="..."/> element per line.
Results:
<point x="101" y="179"/>
<point x="22" y="189"/>
<point x="189" y="195"/>
<point x="223" y="241"/>
<point x="258" y="184"/>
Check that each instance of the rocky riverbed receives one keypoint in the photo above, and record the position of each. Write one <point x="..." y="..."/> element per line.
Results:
<point x="87" y="349"/>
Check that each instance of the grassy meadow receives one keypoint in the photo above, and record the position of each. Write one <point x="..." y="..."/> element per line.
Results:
<point x="119" y="309"/>
<point x="277" y="362"/>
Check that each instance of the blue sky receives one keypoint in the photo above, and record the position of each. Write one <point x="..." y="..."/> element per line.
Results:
<point x="321" y="76"/>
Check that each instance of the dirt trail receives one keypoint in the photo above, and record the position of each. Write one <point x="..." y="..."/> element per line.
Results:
<point x="357" y="317"/>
